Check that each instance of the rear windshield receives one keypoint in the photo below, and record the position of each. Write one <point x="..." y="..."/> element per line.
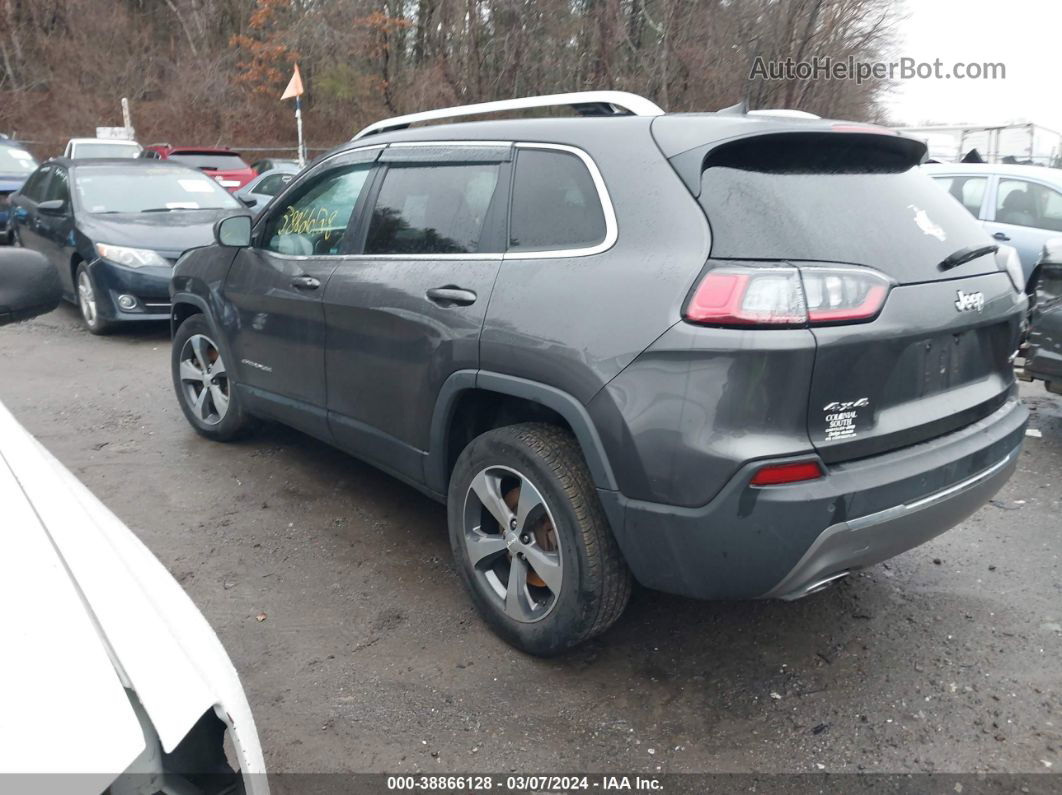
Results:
<point x="215" y="161"/>
<point x="151" y="189"/>
<point x="16" y="161"/>
<point x="89" y="149"/>
<point x="890" y="216"/>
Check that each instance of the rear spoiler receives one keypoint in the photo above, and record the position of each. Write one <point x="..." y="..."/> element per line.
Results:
<point x="812" y="147"/>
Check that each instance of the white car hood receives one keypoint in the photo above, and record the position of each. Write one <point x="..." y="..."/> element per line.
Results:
<point x="89" y="611"/>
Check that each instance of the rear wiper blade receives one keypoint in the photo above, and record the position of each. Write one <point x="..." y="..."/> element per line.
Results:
<point x="964" y="255"/>
<point x="158" y="210"/>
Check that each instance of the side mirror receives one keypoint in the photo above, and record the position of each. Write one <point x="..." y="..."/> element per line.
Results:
<point x="29" y="285"/>
<point x="52" y="207"/>
<point x="235" y="230"/>
<point x="247" y="201"/>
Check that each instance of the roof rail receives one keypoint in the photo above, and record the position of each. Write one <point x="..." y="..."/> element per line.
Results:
<point x="586" y="103"/>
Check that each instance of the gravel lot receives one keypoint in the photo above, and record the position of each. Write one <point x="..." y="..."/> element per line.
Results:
<point x="331" y="587"/>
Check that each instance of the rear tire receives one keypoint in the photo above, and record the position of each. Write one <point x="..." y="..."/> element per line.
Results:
<point x="531" y="541"/>
<point x="209" y="399"/>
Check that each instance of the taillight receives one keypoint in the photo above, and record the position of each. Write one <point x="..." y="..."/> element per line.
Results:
<point x="778" y="474"/>
<point x="784" y="297"/>
<point x="843" y="295"/>
<point x="748" y="297"/>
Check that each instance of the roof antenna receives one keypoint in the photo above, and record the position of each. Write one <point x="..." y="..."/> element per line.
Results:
<point x="739" y="109"/>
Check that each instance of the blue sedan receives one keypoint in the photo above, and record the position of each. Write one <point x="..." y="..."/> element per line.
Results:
<point x="16" y="164"/>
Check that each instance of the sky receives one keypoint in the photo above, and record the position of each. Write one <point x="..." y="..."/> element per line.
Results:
<point x="1025" y="35"/>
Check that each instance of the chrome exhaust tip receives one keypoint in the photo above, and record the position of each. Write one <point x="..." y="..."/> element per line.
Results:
<point x="815" y="587"/>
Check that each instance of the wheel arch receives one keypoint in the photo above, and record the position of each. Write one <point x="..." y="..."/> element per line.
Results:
<point x="182" y="307"/>
<point x="75" y="262"/>
<point x="471" y="402"/>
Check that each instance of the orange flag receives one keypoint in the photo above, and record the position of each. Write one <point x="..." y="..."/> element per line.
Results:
<point x="294" y="88"/>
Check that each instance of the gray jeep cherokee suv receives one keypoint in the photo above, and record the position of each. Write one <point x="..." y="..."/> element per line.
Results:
<point x="732" y="356"/>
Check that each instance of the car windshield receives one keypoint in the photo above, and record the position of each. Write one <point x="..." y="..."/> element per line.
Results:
<point x="16" y="161"/>
<point x="150" y="189"/>
<point x="215" y="161"/>
<point x="108" y="149"/>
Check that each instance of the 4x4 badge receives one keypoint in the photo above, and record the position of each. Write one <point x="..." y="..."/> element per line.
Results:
<point x="967" y="302"/>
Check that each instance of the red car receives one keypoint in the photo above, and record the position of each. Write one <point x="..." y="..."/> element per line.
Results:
<point x="221" y="163"/>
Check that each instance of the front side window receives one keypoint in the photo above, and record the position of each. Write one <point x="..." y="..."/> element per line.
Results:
<point x="555" y="203"/>
<point x="1024" y="203"/>
<point x="314" y="220"/>
<point x="437" y="209"/>
<point x="58" y="188"/>
<point x="970" y="191"/>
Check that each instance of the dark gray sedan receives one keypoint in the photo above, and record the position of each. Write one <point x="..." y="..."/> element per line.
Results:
<point x="114" y="228"/>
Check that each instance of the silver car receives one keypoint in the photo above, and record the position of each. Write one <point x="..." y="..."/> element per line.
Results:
<point x="257" y="193"/>
<point x="1020" y="206"/>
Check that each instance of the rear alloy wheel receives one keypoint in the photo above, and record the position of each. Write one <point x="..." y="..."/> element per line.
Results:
<point x="511" y="542"/>
<point x="87" y="301"/>
<point x="531" y="540"/>
<point x="201" y="380"/>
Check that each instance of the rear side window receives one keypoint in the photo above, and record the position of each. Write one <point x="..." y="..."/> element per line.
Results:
<point x="970" y="191"/>
<point x="34" y="187"/>
<point x="555" y="203"/>
<point x="1024" y="203"/>
<point x="438" y="209"/>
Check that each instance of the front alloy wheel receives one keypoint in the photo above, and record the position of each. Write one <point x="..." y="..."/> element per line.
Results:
<point x="204" y="380"/>
<point x="209" y="398"/>
<point x="88" y="302"/>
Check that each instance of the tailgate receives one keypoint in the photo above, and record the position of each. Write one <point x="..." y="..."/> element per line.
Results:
<point x="936" y="359"/>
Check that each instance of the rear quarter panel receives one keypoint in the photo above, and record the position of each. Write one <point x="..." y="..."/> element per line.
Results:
<point x="574" y="323"/>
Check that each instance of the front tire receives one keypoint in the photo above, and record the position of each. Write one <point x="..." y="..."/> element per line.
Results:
<point x="531" y="541"/>
<point x="208" y="397"/>
<point x="88" y="301"/>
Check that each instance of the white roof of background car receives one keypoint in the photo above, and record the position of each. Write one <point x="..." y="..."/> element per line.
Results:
<point x="620" y="103"/>
<point x="119" y="141"/>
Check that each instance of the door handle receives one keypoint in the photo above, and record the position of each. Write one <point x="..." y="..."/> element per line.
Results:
<point x="451" y="296"/>
<point x="1001" y="236"/>
<point x="305" y="283"/>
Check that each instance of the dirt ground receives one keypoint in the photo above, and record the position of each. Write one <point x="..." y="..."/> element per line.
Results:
<point x="370" y="657"/>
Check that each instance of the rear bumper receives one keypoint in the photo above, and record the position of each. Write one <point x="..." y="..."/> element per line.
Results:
<point x="783" y="541"/>
<point x="858" y="543"/>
